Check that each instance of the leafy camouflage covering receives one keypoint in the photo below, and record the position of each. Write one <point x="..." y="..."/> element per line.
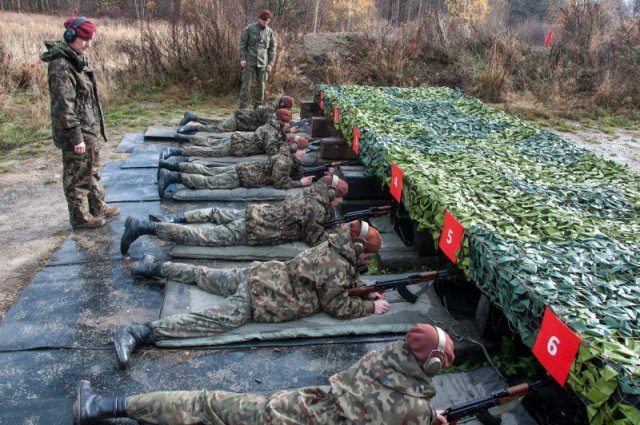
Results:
<point x="299" y="217"/>
<point x="76" y="114"/>
<point x="360" y="395"/>
<point x="316" y="279"/>
<point x="546" y="223"/>
<point x="275" y="170"/>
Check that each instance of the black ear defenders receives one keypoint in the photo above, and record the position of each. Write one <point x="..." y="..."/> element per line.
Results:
<point x="433" y="365"/>
<point x="70" y="33"/>
<point x="361" y="242"/>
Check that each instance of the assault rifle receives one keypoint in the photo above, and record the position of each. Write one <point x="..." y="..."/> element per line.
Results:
<point x="360" y="215"/>
<point x="319" y="170"/>
<point x="493" y="405"/>
<point x="399" y="285"/>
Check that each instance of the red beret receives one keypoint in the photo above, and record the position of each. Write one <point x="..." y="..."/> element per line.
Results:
<point x="423" y="343"/>
<point x="372" y="240"/>
<point x="284" y="115"/>
<point x="265" y="14"/>
<point x="86" y="30"/>
<point x="341" y="186"/>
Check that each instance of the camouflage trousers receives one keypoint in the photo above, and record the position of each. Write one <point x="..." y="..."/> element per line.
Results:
<point x="197" y="407"/>
<point x="204" y="234"/>
<point x="261" y="78"/>
<point x="235" y="311"/>
<point x="216" y="125"/>
<point x="214" y="215"/>
<point x="81" y="183"/>
<point x="205" y="146"/>
<point x="196" y="176"/>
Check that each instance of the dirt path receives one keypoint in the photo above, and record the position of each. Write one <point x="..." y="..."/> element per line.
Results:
<point x="34" y="220"/>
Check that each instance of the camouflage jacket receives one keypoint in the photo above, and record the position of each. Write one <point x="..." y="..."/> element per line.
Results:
<point x="267" y="139"/>
<point x="257" y="45"/>
<point x="299" y="217"/>
<point x="251" y="119"/>
<point x="316" y="279"/>
<point x="76" y="114"/>
<point x="275" y="170"/>
<point x="386" y="387"/>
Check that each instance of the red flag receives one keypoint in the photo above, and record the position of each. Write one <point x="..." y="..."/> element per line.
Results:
<point x="547" y="40"/>
<point x="556" y="346"/>
<point x="356" y="140"/>
<point x="321" y="100"/>
<point x="451" y="237"/>
<point x="336" y="114"/>
<point x="396" y="182"/>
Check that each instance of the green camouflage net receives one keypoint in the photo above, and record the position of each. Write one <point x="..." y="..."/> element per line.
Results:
<point x="546" y="223"/>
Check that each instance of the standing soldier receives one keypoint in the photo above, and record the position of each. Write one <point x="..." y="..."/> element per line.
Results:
<point x="77" y="123"/>
<point x="317" y="279"/>
<point x="257" y="50"/>
<point x="391" y="386"/>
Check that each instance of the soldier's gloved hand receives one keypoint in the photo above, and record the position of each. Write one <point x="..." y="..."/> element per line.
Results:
<point x="440" y="419"/>
<point x="80" y="148"/>
<point x="380" y="307"/>
<point x="243" y="63"/>
<point x="306" y="180"/>
<point x="269" y="68"/>
<point x="293" y="129"/>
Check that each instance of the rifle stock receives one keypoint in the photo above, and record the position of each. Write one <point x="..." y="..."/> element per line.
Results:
<point x="497" y="398"/>
<point x="399" y="285"/>
<point x="360" y="215"/>
<point x="319" y="170"/>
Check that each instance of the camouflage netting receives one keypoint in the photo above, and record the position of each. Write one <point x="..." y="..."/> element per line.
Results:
<point x="546" y="223"/>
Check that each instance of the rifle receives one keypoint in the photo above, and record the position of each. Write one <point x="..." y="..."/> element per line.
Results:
<point x="319" y="170"/>
<point x="399" y="285"/>
<point x="360" y="215"/>
<point x="494" y="404"/>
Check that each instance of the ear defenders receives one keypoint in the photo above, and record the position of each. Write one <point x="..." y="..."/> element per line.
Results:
<point x="70" y="33"/>
<point x="361" y="241"/>
<point x="333" y="187"/>
<point x="293" y="146"/>
<point x="433" y="365"/>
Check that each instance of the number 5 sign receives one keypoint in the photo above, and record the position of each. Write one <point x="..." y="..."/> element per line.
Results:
<point x="556" y="346"/>
<point x="451" y="237"/>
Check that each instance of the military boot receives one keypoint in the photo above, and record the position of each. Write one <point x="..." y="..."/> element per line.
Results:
<point x="90" y="407"/>
<point x="187" y="118"/>
<point x="133" y="229"/>
<point x="183" y="138"/>
<point x="165" y="178"/>
<point x="170" y="165"/>
<point x="146" y="267"/>
<point x="92" y="223"/>
<point x="127" y="338"/>
<point x="189" y="129"/>
<point x="169" y="152"/>
<point x="175" y="218"/>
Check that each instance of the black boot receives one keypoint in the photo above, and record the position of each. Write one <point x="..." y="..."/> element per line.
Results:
<point x="170" y="165"/>
<point x="146" y="267"/>
<point x="165" y="178"/>
<point x="175" y="218"/>
<point x="127" y="338"/>
<point x="90" y="406"/>
<point x="187" y="118"/>
<point x="189" y="129"/>
<point x="183" y="138"/>
<point x="169" y="152"/>
<point x="133" y="229"/>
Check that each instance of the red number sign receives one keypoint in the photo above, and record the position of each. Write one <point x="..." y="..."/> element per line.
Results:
<point x="556" y="346"/>
<point x="396" y="182"/>
<point x="336" y="114"/>
<point x="321" y="100"/>
<point x="451" y="237"/>
<point x="356" y="140"/>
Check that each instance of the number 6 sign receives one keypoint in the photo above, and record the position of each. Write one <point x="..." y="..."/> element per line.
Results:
<point x="556" y="346"/>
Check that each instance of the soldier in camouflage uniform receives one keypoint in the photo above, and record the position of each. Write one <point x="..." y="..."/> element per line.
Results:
<point x="267" y="139"/>
<point x="77" y="123"/>
<point x="299" y="217"/>
<point x="274" y="171"/>
<point x="271" y="292"/>
<point x="391" y="386"/>
<point x="257" y="50"/>
<point x="241" y="120"/>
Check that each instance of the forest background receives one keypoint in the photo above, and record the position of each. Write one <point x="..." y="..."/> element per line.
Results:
<point x="560" y="62"/>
